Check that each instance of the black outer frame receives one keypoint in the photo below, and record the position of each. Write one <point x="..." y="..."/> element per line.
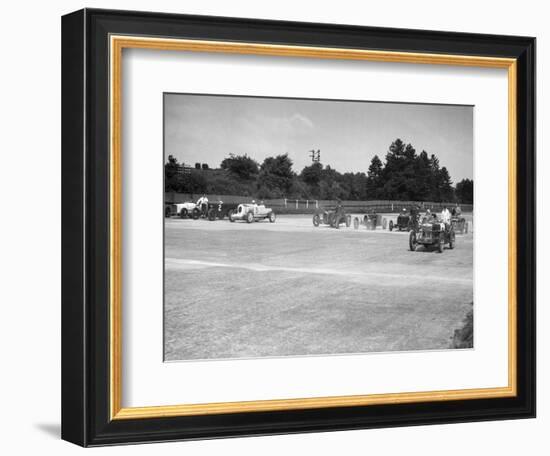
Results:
<point x="85" y="227"/>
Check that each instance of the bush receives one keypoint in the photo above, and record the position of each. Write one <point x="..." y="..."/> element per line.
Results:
<point x="464" y="337"/>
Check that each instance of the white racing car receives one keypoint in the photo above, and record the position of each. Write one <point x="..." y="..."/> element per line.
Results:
<point x="183" y="210"/>
<point x="252" y="213"/>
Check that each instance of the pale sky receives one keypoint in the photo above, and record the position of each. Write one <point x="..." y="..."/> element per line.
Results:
<point x="207" y="128"/>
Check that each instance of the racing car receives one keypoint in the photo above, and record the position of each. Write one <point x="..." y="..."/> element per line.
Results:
<point x="404" y="222"/>
<point x="219" y="210"/>
<point x="432" y="233"/>
<point x="460" y="225"/>
<point x="369" y="220"/>
<point x="251" y="213"/>
<point x="334" y="218"/>
<point x="182" y="210"/>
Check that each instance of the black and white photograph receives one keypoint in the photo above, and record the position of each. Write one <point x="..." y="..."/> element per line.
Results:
<point x="300" y="227"/>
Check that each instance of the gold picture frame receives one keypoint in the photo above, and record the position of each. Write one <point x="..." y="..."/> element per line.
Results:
<point x="117" y="45"/>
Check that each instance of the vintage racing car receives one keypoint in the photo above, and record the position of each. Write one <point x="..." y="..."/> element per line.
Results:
<point x="251" y="213"/>
<point x="333" y="218"/>
<point x="217" y="210"/>
<point x="460" y="225"/>
<point x="369" y="220"/>
<point x="433" y="233"/>
<point x="182" y="210"/>
<point x="403" y="222"/>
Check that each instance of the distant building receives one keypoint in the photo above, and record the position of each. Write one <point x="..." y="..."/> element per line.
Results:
<point x="183" y="169"/>
<point x="186" y="169"/>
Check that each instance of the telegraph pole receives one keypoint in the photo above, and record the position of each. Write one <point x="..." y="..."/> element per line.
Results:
<point x="315" y="155"/>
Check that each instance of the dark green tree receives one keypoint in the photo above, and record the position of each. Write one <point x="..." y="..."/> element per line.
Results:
<point x="423" y="177"/>
<point x="465" y="191"/>
<point x="444" y="188"/>
<point x="172" y="182"/>
<point x="276" y="175"/>
<point x="395" y="175"/>
<point x="193" y="182"/>
<point x="241" y="166"/>
<point x="311" y="174"/>
<point x="373" y="182"/>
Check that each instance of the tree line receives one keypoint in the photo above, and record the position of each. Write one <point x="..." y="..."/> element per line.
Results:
<point x="403" y="175"/>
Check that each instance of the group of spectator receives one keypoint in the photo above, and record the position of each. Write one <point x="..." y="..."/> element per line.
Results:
<point x="429" y="216"/>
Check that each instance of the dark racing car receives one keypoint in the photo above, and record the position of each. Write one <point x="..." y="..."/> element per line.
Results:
<point x="432" y="234"/>
<point x="403" y="222"/>
<point x="218" y="210"/>
<point x="460" y="225"/>
<point x="334" y="218"/>
<point x="369" y="220"/>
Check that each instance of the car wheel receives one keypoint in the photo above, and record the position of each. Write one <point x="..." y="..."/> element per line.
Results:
<point x="230" y="215"/>
<point x="390" y="227"/>
<point x="384" y="223"/>
<point x="356" y="223"/>
<point x="348" y="221"/>
<point x="452" y="240"/>
<point x="316" y="220"/>
<point x="272" y="217"/>
<point x="196" y="214"/>
<point x="412" y="241"/>
<point x="183" y="213"/>
<point x="249" y="217"/>
<point x="212" y="215"/>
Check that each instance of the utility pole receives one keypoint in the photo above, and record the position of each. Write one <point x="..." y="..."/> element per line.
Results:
<point x="315" y="155"/>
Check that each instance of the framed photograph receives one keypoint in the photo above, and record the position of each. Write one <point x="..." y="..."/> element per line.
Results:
<point x="278" y="227"/>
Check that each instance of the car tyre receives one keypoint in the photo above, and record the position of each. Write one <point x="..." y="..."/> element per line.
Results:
<point x="249" y="217"/>
<point x="356" y="223"/>
<point x="272" y="217"/>
<point x="390" y="226"/>
<point x="212" y="215"/>
<point x="412" y="241"/>
<point x="452" y="240"/>
<point x="316" y="220"/>
<point x="196" y="214"/>
<point x="230" y="216"/>
<point x="183" y="213"/>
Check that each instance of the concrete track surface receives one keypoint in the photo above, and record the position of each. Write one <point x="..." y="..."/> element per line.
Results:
<point x="238" y="290"/>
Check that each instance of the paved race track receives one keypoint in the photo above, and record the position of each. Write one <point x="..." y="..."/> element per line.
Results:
<point x="247" y="290"/>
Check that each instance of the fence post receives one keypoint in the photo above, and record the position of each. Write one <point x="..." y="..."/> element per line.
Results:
<point x="296" y="204"/>
<point x="316" y="204"/>
<point x="285" y="202"/>
<point x="307" y="204"/>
